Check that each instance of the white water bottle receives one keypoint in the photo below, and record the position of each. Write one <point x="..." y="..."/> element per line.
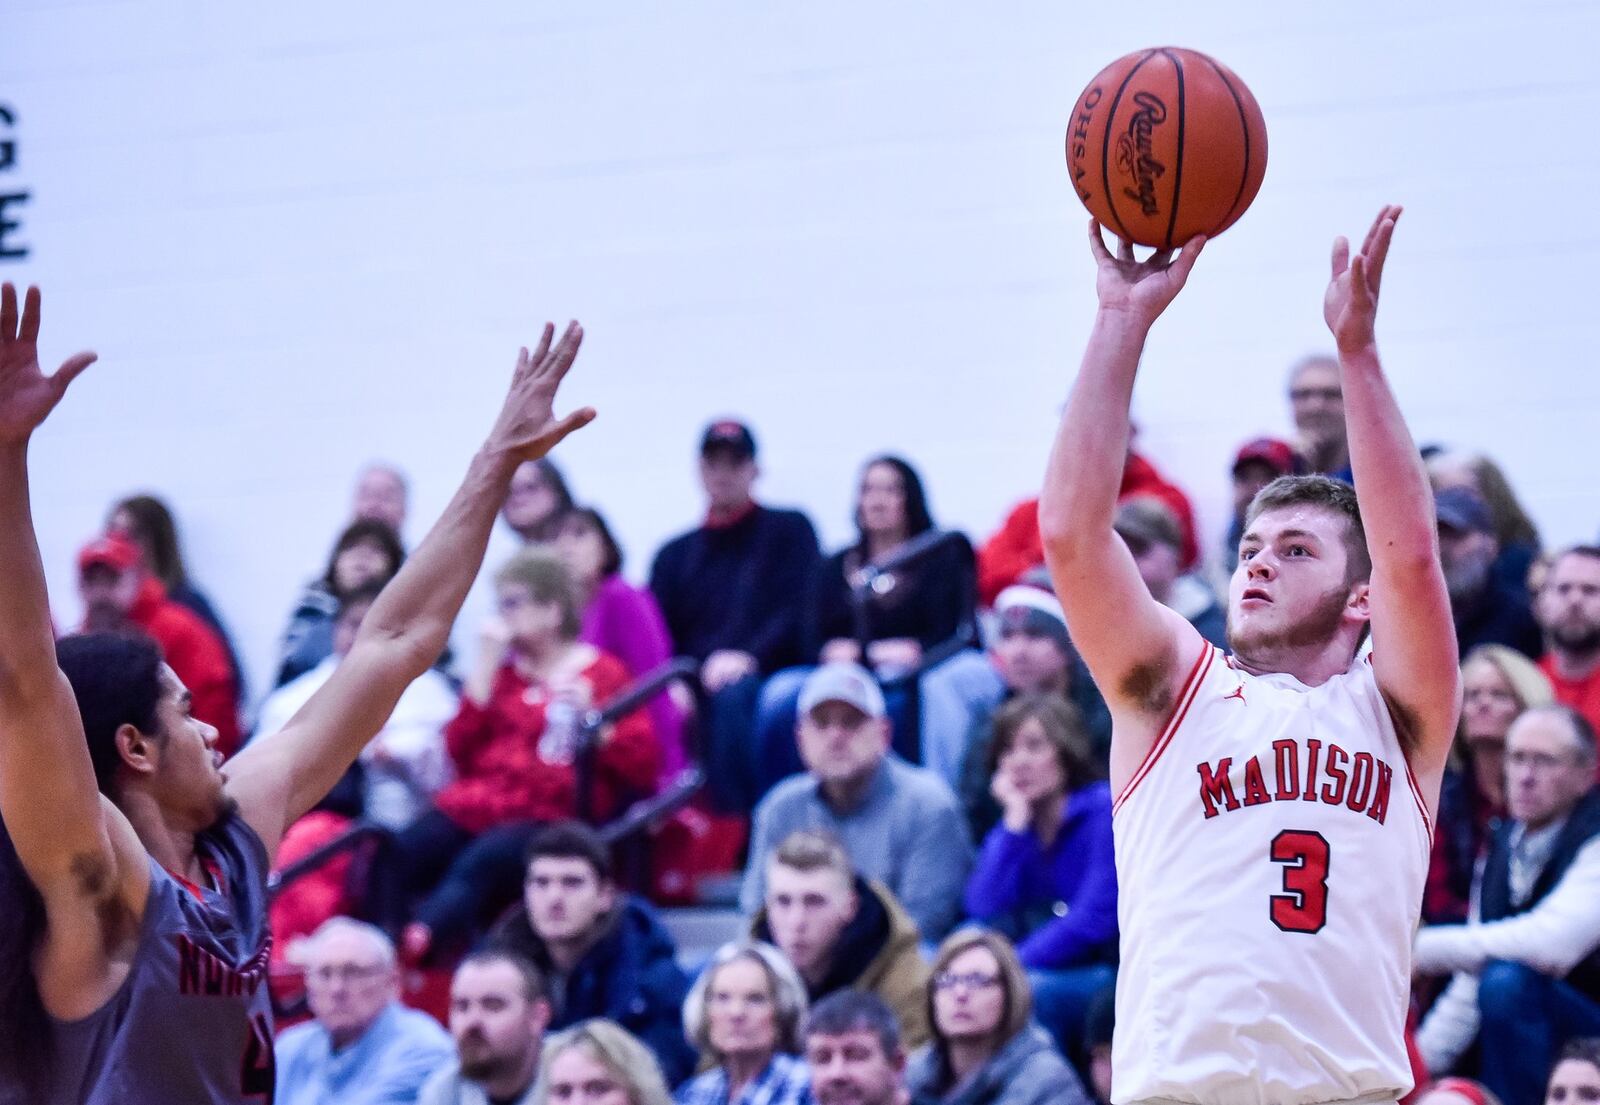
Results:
<point x="560" y="734"/>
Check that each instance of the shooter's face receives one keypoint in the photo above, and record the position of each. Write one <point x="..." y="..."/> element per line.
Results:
<point x="1291" y="587"/>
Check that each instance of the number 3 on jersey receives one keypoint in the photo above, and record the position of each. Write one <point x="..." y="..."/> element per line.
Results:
<point x="1303" y="907"/>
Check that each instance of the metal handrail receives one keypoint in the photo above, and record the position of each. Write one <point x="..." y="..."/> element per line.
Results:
<point x="353" y="835"/>
<point x="680" y="669"/>
<point x="918" y="548"/>
<point x="644" y="815"/>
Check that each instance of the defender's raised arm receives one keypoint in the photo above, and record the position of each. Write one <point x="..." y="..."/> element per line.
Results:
<point x="1133" y="645"/>
<point x="48" y="796"/>
<point x="1413" y="635"/>
<point x="279" y="778"/>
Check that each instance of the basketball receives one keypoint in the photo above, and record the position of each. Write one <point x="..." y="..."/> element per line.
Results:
<point x="1165" y="144"/>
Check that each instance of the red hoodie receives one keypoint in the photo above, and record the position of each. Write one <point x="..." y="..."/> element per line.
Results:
<point x="1017" y="549"/>
<point x="501" y="776"/>
<point x="196" y="655"/>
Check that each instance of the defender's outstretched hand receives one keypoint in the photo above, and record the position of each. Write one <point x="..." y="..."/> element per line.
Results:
<point x="1350" y="305"/>
<point x="27" y="395"/>
<point x="527" y="427"/>
<point x="1141" y="288"/>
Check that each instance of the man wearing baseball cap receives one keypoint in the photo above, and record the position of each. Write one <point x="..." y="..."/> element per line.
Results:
<point x="900" y="823"/>
<point x="1258" y="462"/>
<point x="119" y="596"/>
<point x="730" y="592"/>
<point x="1486" y="609"/>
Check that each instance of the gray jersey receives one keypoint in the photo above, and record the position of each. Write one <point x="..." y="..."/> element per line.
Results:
<point x="193" y="1020"/>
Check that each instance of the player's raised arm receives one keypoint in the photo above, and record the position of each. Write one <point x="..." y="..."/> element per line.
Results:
<point x="48" y="797"/>
<point x="1413" y="636"/>
<point x="1133" y="645"/>
<point x="278" y="778"/>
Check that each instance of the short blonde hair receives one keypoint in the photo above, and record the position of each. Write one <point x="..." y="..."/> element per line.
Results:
<point x="788" y="994"/>
<point x="815" y="850"/>
<point x="547" y="579"/>
<point x="614" y="1048"/>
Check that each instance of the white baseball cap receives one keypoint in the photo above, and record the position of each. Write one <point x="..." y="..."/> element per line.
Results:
<point x="842" y="682"/>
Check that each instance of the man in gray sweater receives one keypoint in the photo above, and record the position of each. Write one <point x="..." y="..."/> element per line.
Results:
<point x="901" y="824"/>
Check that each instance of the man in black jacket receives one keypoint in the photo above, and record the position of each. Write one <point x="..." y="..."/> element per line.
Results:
<point x="729" y="590"/>
<point x="1528" y="963"/>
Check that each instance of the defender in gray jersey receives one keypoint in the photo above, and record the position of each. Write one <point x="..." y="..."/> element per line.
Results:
<point x="133" y="862"/>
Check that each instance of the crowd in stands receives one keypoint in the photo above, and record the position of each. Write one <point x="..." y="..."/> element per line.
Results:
<point x="909" y="759"/>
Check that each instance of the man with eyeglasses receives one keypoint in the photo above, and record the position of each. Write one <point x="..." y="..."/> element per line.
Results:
<point x="363" y="1047"/>
<point x="1527" y="963"/>
<point x="1316" y="403"/>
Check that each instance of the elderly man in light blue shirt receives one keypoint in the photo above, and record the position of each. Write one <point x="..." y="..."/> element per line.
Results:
<point x="363" y="1047"/>
<point x="900" y="824"/>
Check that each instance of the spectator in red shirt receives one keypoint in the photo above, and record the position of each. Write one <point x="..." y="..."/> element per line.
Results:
<point x="1568" y="609"/>
<point x="120" y="596"/>
<point x="1016" y="550"/>
<point x="513" y="753"/>
<point x="148" y="523"/>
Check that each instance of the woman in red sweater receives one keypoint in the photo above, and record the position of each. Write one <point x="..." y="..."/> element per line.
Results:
<point x="511" y="747"/>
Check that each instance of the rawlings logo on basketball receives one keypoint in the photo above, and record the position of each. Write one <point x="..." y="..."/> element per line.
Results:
<point x="1135" y="157"/>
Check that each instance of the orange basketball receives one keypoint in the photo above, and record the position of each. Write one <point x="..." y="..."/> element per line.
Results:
<point x="1165" y="144"/>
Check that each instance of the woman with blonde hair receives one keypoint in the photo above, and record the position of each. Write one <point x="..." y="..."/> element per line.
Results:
<point x="1497" y="684"/>
<point x="986" y="1048"/>
<point x="598" y="1062"/>
<point x="744" y="1015"/>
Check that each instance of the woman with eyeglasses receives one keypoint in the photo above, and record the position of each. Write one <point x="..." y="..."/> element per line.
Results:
<point x="1497" y="685"/>
<point x="744" y="1015"/>
<point x="986" y="1049"/>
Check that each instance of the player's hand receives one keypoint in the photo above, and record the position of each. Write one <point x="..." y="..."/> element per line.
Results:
<point x="27" y="395"/>
<point x="1140" y="289"/>
<point x="527" y="428"/>
<point x="1350" y="304"/>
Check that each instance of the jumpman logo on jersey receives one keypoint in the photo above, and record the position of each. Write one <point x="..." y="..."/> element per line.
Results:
<point x="1237" y="692"/>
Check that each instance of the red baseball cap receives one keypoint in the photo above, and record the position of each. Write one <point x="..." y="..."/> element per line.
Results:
<point x="110" y="551"/>
<point x="1277" y="455"/>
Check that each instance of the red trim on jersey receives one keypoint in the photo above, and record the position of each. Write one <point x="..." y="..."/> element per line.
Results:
<point x="1416" y="792"/>
<point x="1411" y="780"/>
<point x="211" y="869"/>
<point x="1186" y="697"/>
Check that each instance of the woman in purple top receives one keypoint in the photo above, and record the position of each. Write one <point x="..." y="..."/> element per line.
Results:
<point x="621" y="619"/>
<point x="1046" y="875"/>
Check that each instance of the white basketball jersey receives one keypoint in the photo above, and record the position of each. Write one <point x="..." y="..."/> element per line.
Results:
<point x="1271" y="852"/>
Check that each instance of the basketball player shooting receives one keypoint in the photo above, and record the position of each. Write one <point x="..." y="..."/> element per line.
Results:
<point x="1272" y="812"/>
<point x="133" y="926"/>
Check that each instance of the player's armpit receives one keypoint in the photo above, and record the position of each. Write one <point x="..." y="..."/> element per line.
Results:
<point x="93" y="921"/>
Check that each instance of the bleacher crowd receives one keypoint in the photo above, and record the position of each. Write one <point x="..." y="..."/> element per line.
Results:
<point x="890" y="757"/>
